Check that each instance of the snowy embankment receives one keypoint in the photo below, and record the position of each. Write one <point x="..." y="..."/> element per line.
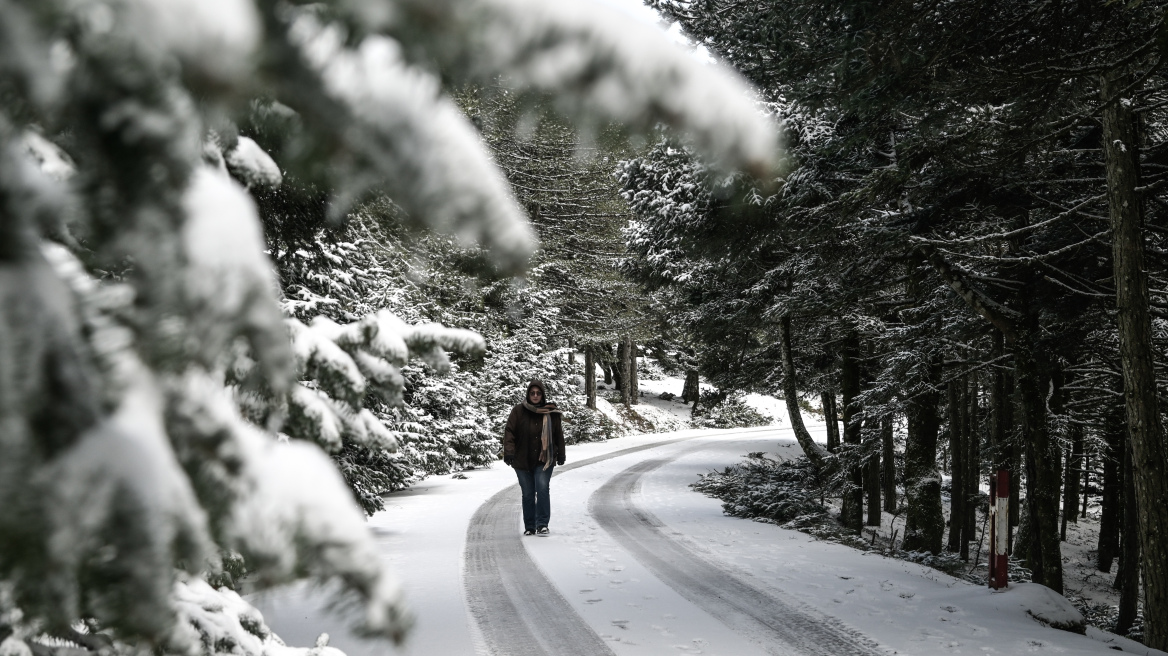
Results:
<point x="635" y="608"/>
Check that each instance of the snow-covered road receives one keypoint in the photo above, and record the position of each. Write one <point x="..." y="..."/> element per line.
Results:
<point x="637" y="563"/>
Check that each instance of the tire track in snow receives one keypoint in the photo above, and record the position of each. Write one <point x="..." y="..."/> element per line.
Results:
<point x="518" y="611"/>
<point x="779" y="626"/>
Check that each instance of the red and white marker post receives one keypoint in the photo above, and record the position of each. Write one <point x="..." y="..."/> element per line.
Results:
<point x="999" y="528"/>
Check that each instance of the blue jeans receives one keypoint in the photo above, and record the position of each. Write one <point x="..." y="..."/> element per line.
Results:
<point x="537" y="505"/>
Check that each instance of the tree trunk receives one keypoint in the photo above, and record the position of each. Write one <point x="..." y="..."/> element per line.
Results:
<point x="831" y="418"/>
<point x="872" y="471"/>
<point x="852" y="512"/>
<point x="1043" y="467"/>
<point x="691" y="391"/>
<point x="889" y="473"/>
<point x="957" y="468"/>
<point x="571" y="351"/>
<point x="624" y="366"/>
<point x="634" y="383"/>
<point x="1111" y="505"/>
<point x="972" y="438"/>
<point x="607" y="369"/>
<point x="815" y="453"/>
<point x="1086" y="488"/>
<point x="1128" y="579"/>
<point x="924" y="522"/>
<point x="1021" y="546"/>
<point x="1014" y="450"/>
<point x="1071" y="480"/>
<point x="590" y="376"/>
<point x="924" y="525"/>
<point x="1148" y="452"/>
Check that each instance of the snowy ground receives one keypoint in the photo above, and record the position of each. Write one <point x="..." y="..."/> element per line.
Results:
<point x="652" y="389"/>
<point x="638" y="600"/>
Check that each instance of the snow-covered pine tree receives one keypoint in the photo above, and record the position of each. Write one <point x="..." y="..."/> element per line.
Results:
<point x="133" y="279"/>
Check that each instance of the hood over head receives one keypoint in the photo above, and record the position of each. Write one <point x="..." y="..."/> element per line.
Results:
<point x="535" y="382"/>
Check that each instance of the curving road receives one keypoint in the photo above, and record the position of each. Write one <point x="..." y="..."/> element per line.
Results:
<point x="779" y="626"/>
<point x="519" y="611"/>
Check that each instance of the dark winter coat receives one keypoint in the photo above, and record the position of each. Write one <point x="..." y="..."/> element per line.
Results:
<point x="521" y="438"/>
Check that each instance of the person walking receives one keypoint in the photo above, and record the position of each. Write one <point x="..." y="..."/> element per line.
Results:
<point x="533" y="443"/>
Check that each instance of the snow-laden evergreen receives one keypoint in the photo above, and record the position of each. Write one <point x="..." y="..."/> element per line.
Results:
<point x="167" y="414"/>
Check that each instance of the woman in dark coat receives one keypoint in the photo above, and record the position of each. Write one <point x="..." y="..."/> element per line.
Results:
<point x="533" y="444"/>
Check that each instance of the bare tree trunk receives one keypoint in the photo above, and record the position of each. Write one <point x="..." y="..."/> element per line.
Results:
<point x="1086" y="488"/>
<point x="1014" y="451"/>
<point x="634" y="384"/>
<point x="889" y="473"/>
<point x="972" y="439"/>
<point x="1111" y="506"/>
<point x="590" y="376"/>
<point x="815" y="453"/>
<point x="924" y="522"/>
<point x="924" y="525"/>
<point x="1148" y="451"/>
<point x="1128" y="579"/>
<point x="871" y="473"/>
<point x="624" y="366"/>
<point x="571" y="351"/>
<point x="852" y="511"/>
<point x="691" y="391"/>
<point x="1071" y="480"/>
<point x="1043" y="460"/>
<point x="832" y="419"/>
<point x="957" y="469"/>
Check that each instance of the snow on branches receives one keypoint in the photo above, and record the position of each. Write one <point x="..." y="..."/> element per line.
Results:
<point x="149" y="379"/>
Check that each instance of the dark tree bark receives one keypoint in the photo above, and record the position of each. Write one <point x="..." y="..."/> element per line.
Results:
<point x="1111" y="505"/>
<point x="815" y="453"/>
<point x="1086" y="488"/>
<point x="1043" y="472"/>
<point x="618" y="367"/>
<point x="831" y="417"/>
<point x="692" y="389"/>
<point x="1128" y="579"/>
<point x="634" y="384"/>
<point x="1071" y="480"/>
<point x="889" y="470"/>
<point x="1148" y="451"/>
<point x="607" y="369"/>
<point x="1023" y="543"/>
<point x="924" y="523"/>
<point x="872" y="472"/>
<point x="624" y="366"/>
<point x="852" y="512"/>
<point x="956" y="468"/>
<point x="973" y="462"/>
<point x="590" y="376"/>
<point x="571" y="351"/>
<point x="924" y="526"/>
<point x="1015" y="450"/>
